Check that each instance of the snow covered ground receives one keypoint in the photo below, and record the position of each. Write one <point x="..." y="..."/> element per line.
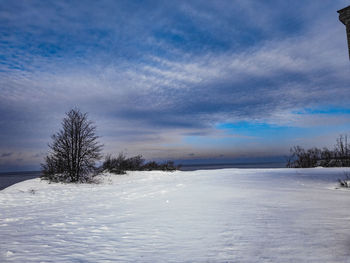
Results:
<point x="229" y="215"/>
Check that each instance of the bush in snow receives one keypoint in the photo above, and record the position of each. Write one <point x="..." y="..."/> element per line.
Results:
<point x="73" y="151"/>
<point x="345" y="182"/>
<point x="338" y="157"/>
<point x="167" y="166"/>
<point x="121" y="164"/>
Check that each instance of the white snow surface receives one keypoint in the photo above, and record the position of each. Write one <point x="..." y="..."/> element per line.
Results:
<point x="228" y="215"/>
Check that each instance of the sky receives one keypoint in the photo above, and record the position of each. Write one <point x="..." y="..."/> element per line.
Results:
<point x="183" y="80"/>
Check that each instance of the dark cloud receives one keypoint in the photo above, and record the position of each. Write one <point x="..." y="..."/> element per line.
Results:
<point x="6" y="154"/>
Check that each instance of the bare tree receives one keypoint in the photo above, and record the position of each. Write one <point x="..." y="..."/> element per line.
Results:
<point x="342" y="151"/>
<point x="339" y="157"/>
<point x="74" y="150"/>
<point x="301" y="158"/>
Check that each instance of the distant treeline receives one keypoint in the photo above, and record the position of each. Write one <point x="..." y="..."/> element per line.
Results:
<point x="121" y="164"/>
<point x="338" y="157"/>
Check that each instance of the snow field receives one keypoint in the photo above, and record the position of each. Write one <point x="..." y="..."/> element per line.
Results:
<point x="228" y="215"/>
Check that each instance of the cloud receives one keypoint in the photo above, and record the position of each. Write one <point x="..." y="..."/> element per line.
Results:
<point x="154" y="74"/>
<point x="6" y="154"/>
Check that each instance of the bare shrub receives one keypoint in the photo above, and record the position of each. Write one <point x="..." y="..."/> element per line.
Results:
<point x="339" y="157"/>
<point x="346" y="181"/>
<point x="121" y="164"/>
